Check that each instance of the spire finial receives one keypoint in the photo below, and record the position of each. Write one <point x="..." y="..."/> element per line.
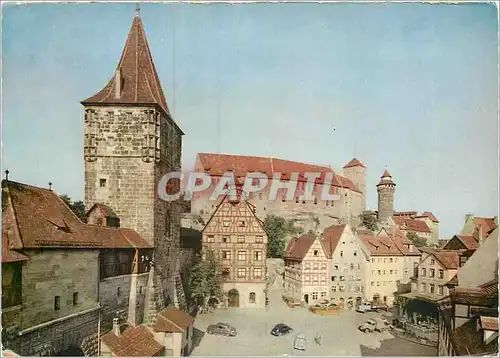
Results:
<point x="50" y="185"/>
<point x="7" y="174"/>
<point x="137" y="9"/>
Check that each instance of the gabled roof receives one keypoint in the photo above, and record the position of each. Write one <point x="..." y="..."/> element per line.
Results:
<point x="133" y="342"/>
<point x="411" y="224"/>
<point x="486" y="224"/>
<point x="172" y="319"/>
<point x="469" y="340"/>
<point x="241" y="165"/>
<point x="489" y="323"/>
<point x="450" y="259"/>
<point x="42" y="219"/>
<point x="9" y="255"/>
<point x="380" y="245"/>
<point x="354" y="163"/>
<point x="105" y="210"/>
<point x="331" y="238"/>
<point x="298" y="247"/>
<point x="430" y="216"/>
<point x="140" y="83"/>
<point x="468" y="241"/>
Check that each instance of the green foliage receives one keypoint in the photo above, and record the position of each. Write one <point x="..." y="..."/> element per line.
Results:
<point x="76" y="206"/>
<point x="205" y="280"/>
<point x="277" y="229"/>
<point x="416" y="240"/>
<point x="369" y="221"/>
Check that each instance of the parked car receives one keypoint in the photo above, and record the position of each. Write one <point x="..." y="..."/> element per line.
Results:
<point x="300" y="342"/>
<point x="281" y="329"/>
<point x="369" y="306"/>
<point x="374" y="325"/>
<point x="222" y="329"/>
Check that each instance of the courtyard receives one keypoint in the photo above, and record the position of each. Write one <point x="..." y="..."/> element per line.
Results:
<point x="340" y="334"/>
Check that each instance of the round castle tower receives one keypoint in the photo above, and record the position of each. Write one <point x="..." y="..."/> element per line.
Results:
<point x="385" y="189"/>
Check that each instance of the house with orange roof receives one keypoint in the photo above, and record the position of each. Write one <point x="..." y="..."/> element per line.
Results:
<point x="62" y="275"/>
<point x="306" y="276"/>
<point x="348" y="257"/>
<point x="479" y="227"/>
<point x="417" y="227"/>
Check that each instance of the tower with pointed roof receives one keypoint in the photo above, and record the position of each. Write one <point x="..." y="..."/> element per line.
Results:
<point x="356" y="171"/>
<point x="131" y="141"/>
<point x="385" y="189"/>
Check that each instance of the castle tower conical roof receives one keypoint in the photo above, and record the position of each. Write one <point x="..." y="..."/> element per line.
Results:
<point x="386" y="179"/>
<point x="135" y="80"/>
<point x="355" y="162"/>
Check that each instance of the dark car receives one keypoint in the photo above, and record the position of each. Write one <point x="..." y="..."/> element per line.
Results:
<point x="221" y="329"/>
<point x="281" y="329"/>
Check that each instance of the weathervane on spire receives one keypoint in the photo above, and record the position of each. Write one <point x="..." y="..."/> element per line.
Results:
<point x="137" y="9"/>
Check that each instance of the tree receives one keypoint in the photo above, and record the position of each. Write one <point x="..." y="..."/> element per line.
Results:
<point x="205" y="280"/>
<point x="76" y="206"/>
<point x="277" y="229"/>
<point x="416" y="240"/>
<point x="369" y="221"/>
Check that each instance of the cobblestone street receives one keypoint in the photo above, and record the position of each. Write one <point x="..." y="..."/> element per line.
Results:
<point x="340" y="333"/>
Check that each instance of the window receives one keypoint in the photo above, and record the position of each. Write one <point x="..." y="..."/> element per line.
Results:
<point x="383" y="273"/>
<point x="251" y="297"/>
<point x="315" y="278"/>
<point x="423" y="272"/>
<point x="372" y="283"/>
<point x="373" y="261"/>
<point x="323" y="266"/>
<point x="57" y="303"/>
<point x="334" y="288"/>
<point x="257" y="272"/>
<point x="210" y="238"/>
<point x="226" y="255"/>
<point x="385" y="260"/>
<point x="226" y="239"/>
<point x="242" y="272"/>
<point x="258" y="255"/>
<point x="395" y="272"/>
<point x="334" y="278"/>
<point x="258" y="239"/>
<point x="315" y="295"/>
<point x="241" y="239"/>
<point x="242" y="255"/>
<point x="335" y="267"/>
<point x="226" y="272"/>
<point x="390" y="272"/>
<point x="431" y="288"/>
<point x="323" y="294"/>
<point x="140" y="289"/>
<point x="432" y="261"/>
<point x="102" y="183"/>
<point x="341" y="253"/>
<point x="441" y="273"/>
<point x="341" y="288"/>
<point x="378" y="283"/>
<point x="379" y="272"/>
<point x="209" y="253"/>
<point x="118" y="292"/>
<point x="241" y="223"/>
<point x="440" y="290"/>
<point x="359" y="266"/>
<point x="75" y="298"/>
<point x="390" y="260"/>
<point x="352" y="266"/>
<point x="226" y="223"/>
<point x="315" y="252"/>
<point x="342" y="278"/>
<point x="432" y="272"/>
<point x="423" y="287"/>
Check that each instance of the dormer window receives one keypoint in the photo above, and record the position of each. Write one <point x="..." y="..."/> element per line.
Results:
<point x="315" y="252"/>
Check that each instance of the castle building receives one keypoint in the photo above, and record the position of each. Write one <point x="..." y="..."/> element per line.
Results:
<point x="236" y="238"/>
<point x="350" y="187"/>
<point x="131" y="141"/>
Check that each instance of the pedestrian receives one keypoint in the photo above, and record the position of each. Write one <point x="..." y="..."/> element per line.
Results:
<point x="318" y="338"/>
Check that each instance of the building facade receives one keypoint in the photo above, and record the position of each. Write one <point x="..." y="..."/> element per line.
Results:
<point x="131" y="141"/>
<point x="306" y="270"/>
<point x="347" y="265"/>
<point x="235" y="237"/>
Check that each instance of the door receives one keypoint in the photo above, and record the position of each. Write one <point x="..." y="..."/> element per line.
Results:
<point x="306" y="298"/>
<point x="233" y="298"/>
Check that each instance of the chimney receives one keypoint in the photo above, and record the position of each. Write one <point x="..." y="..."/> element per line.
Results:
<point x="118" y="83"/>
<point x="480" y="241"/>
<point x="116" y="326"/>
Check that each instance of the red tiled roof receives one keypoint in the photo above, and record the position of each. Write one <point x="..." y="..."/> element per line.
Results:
<point x="450" y="259"/>
<point x="486" y="224"/>
<point x="380" y="245"/>
<point x="172" y="319"/>
<point x="331" y="237"/>
<point x="44" y="220"/>
<point x="299" y="246"/>
<point x="241" y="165"/>
<point x="405" y="213"/>
<point x="430" y="216"/>
<point x="411" y="224"/>
<point x="133" y="342"/>
<point x="490" y="287"/>
<point x="453" y="281"/>
<point x="386" y="174"/>
<point x="354" y="163"/>
<point x="139" y="79"/>
<point x="386" y="178"/>
<point x="468" y="240"/>
<point x="489" y="323"/>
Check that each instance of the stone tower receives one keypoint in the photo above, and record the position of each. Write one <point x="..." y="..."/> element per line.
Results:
<point x="131" y="141"/>
<point x="356" y="171"/>
<point x="385" y="190"/>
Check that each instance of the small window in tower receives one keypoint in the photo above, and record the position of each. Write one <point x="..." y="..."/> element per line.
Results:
<point x="75" y="298"/>
<point x="57" y="303"/>
<point x="102" y="183"/>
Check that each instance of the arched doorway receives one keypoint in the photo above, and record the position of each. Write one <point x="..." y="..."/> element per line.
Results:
<point x="233" y="298"/>
<point x="306" y="298"/>
<point x="341" y="302"/>
<point x="376" y="298"/>
<point x="350" y="303"/>
<point x="358" y="301"/>
<point x="251" y="297"/>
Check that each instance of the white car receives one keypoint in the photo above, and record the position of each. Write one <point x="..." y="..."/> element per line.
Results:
<point x="300" y="342"/>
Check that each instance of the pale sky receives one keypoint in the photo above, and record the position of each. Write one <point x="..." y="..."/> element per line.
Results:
<point x="409" y="86"/>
